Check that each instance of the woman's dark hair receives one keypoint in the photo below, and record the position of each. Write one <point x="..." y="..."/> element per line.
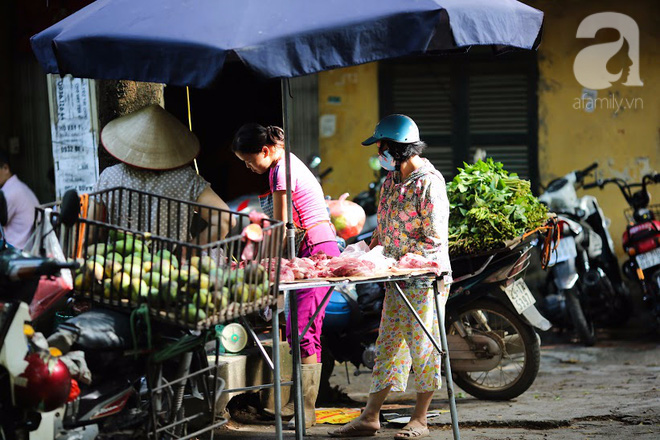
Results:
<point x="402" y="152"/>
<point x="250" y="138"/>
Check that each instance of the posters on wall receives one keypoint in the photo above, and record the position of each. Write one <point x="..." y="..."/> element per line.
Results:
<point x="75" y="153"/>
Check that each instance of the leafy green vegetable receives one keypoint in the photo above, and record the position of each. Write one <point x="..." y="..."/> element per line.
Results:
<point x="488" y="207"/>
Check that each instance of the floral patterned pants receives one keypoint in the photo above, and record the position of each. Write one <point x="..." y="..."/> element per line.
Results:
<point x="402" y="342"/>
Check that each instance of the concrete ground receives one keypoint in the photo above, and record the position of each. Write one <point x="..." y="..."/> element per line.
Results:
<point x="607" y="391"/>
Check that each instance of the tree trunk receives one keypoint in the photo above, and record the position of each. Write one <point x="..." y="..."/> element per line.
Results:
<point x="118" y="98"/>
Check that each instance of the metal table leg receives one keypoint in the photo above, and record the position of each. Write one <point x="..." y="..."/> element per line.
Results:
<point x="318" y="310"/>
<point x="299" y="415"/>
<point x="443" y="350"/>
<point x="445" y="357"/>
<point x="277" y="389"/>
<point x="418" y="319"/>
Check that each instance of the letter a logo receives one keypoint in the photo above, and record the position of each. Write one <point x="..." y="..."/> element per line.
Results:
<point x="590" y="66"/>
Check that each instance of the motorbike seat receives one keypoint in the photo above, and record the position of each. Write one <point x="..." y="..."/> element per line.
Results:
<point x="99" y="330"/>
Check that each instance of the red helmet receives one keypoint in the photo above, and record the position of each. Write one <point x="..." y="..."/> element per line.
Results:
<point x="45" y="383"/>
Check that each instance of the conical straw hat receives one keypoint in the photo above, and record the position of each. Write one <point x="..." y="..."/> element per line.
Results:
<point x="150" y="138"/>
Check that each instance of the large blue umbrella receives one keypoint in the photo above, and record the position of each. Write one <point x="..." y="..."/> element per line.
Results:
<point x="187" y="42"/>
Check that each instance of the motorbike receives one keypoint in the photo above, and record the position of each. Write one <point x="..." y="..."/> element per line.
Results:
<point x="368" y="200"/>
<point x="33" y="383"/>
<point x="641" y="239"/>
<point x="494" y="349"/>
<point x="146" y="380"/>
<point x="584" y="287"/>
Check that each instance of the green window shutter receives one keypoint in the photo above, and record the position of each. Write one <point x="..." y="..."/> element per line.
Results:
<point x="466" y="104"/>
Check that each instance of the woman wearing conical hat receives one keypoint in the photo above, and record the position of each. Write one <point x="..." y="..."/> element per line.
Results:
<point x="155" y="152"/>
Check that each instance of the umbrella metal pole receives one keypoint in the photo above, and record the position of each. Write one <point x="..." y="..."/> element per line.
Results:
<point x="290" y="229"/>
<point x="276" y="374"/>
<point x="299" y="412"/>
<point x="445" y="357"/>
<point x="291" y="241"/>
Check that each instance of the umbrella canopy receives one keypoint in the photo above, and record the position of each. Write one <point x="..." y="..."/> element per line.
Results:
<point x="187" y="42"/>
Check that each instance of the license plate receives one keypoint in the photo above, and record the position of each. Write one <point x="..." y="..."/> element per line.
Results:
<point x="565" y="251"/>
<point x="519" y="294"/>
<point x="649" y="259"/>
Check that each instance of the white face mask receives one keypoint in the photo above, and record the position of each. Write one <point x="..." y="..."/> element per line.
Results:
<point x="387" y="161"/>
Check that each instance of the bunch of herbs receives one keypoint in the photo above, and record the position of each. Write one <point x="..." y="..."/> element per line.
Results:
<point x="489" y="206"/>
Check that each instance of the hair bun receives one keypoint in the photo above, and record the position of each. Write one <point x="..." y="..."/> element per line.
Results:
<point x="275" y="134"/>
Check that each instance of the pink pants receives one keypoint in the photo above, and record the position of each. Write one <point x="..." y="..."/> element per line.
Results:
<point x="308" y="301"/>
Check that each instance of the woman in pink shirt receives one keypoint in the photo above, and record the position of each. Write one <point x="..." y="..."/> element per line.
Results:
<point x="262" y="151"/>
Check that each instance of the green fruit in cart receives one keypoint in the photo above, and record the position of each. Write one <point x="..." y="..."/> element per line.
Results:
<point x="165" y="254"/>
<point x="169" y="289"/>
<point x="242" y="292"/>
<point x="112" y="267"/>
<point x="259" y="291"/>
<point x="154" y="279"/>
<point x="255" y="273"/>
<point x="188" y="272"/>
<point x="138" y="289"/>
<point x="202" y="296"/>
<point x="107" y="288"/>
<point x="97" y="248"/>
<point x="135" y="271"/>
<point x="221" y="298"/>
<point x="146" y="256"/>
<point x="140" y="256"/>
<point x="153" y="293"/>
<point x="205" y="264"/>
<point x="131" y="261"/>
<point x="128" y="246"/>
<point x="94" y="269"/>
<point x="121" y="247"/>
<point x="81" y="282"/>
<point x="194" y="261"/>
<point x="121" y="282"/>
<point x="116" y="235"/>
<point x="114" y="256"/>
<point x="164" y="267"/>
<point x="146" y="266"/>
<point x="216" y="275"/>
<point x="192" y="314"/>
<point x="204" y="281"/>
<point x="236" y="276"/>
<point x="98" y="258"/>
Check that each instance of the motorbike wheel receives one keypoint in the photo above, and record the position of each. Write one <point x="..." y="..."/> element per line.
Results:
<point x="583" y="326"/>
<point x="516" y="372"/>
<point x="622" y="305"/>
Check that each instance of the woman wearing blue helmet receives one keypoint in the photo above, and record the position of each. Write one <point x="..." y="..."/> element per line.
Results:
<point x="413" y="214"/>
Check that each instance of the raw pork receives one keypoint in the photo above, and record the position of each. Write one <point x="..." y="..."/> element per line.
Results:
<point x="415" y="261"/>
<point x="350" y="267"/>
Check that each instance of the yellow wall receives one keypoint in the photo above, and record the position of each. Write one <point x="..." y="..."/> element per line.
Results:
<point x="350" y="96"/>
<point x="625" y="143"/>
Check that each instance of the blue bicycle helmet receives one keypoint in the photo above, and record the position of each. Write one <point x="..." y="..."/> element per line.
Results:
<point x="397" y="128"/>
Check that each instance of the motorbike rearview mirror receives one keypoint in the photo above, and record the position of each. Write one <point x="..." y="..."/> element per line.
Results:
<point x="70" y="208"/>
<point x="314" y="161"/>
<point x="374" y="163"/>
<point x="656" y="178"/>
<point x="3" y="209"/>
